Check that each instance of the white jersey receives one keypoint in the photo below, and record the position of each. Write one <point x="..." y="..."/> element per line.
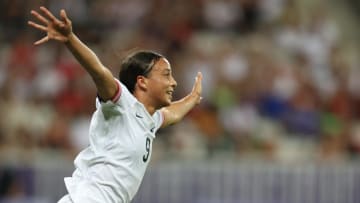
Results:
<point x="112" y="167"/>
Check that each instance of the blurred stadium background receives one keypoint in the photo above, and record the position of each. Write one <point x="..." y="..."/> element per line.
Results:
<point x="279" y="122"/>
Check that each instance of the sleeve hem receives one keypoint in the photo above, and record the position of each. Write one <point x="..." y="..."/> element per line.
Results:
<point x="162" y="118"/>
<point x="116" y="97"/>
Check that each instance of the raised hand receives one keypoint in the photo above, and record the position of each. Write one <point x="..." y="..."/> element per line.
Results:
<point x="197" y="88"/>
<point x="55" y="29"/>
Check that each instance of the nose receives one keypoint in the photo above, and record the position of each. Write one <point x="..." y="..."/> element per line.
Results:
<point x="173" y="82"/>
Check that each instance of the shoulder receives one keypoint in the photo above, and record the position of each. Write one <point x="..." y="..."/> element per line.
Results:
<point x="122" y="97"/>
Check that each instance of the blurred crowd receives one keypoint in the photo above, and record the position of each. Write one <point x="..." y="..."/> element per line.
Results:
<point x="279" y="81"/>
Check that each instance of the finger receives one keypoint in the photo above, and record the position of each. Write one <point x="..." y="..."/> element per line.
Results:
<point x="64" y="17"/>
<point x="48" y="14"/>
<point x="43" y="40"/>
<point x="198" y="85"/>
<point x="199" y="75"/>
<point x="39" y="17"/>
<point x="198" y="79"/>
<point x="40" y="27"/>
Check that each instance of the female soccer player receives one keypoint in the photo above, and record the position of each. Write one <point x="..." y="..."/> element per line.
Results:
<point x="128" y="113"/>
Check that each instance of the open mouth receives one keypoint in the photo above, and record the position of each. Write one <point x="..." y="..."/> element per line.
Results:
<point x="170" y="93"/>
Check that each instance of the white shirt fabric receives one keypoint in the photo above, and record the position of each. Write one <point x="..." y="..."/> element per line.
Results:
<point x="111" y="168"/>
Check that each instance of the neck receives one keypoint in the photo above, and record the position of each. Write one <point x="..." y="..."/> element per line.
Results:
<point x="146" y="102"/>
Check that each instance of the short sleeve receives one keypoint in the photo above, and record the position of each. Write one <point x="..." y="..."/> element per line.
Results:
<point x="122" y="97"/>
<point x="158" y="119"/>
<point x="117" y="95"/>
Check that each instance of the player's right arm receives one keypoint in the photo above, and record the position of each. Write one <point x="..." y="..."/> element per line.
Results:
<point x="61" y="30"/>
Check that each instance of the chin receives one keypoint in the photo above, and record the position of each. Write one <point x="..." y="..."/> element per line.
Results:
<point x="167" y="102"/>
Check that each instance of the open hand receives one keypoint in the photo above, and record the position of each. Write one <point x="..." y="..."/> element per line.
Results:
<point x="55" y="29"/>
<point x="197" y="88"/>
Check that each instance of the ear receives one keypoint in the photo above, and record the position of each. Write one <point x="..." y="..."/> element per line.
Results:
<point x="141" y="82"/>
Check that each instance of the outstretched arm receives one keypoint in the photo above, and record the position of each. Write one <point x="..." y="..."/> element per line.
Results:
<point x="61" y="30"/>
<point x="178" y="109"/>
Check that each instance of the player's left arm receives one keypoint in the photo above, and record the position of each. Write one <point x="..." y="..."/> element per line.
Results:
<point x="178" y="109"/>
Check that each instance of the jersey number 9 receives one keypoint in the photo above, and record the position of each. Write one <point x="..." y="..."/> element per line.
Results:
<point x="147" y="147"/>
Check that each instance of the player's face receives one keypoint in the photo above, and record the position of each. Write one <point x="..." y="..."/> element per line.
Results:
<point x="161" y="83"/>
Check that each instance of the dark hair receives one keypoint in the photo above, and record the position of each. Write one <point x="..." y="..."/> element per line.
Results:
<point x="138" y="63"/>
